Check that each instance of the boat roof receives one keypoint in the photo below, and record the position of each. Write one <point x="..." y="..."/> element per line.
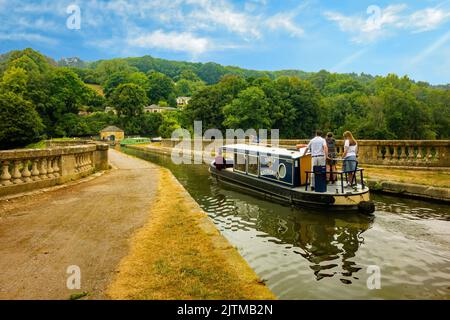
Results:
<point x="266" y="150"/>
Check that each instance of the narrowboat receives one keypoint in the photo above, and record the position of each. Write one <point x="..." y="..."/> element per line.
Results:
<point x="132" y="141"/>
<point x="156" y="139"/>
<point x="285" y="175"/>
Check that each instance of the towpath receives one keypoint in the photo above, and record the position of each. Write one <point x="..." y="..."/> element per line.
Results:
<point x="86" y="225"/>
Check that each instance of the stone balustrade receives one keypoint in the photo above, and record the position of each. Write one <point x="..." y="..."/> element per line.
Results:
<point x="66" y="143"/>
<point x="28" y="169"/>
<point x="400" y="153"/>
<point x="409" y="153"/>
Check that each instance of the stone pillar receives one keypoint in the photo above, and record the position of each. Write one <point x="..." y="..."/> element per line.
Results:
<point x="68" y="165"/>
<point x="101" y="157"/>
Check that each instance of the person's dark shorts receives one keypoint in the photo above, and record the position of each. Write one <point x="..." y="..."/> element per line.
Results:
<point x="331" y="162"/>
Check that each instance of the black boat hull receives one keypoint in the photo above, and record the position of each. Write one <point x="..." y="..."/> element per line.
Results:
<point x="350" y="202"/>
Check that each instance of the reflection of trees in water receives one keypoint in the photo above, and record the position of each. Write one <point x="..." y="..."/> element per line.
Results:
<point x="325" y="245"/>
<point x="328" y="243"/>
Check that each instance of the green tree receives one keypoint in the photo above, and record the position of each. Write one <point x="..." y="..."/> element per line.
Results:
<point x="211" y="72"/>
<point x="373" y="126"/>
<point x="186" y="88"/>
<point x="343" y="86"/>
<point x="189" y="75"/>
<point x="302" y="107"/>
<point x="99" y="120"/>
<point x="72" y="125"/>
<point x="206" y="104"/>
<point x="150" y="123"/>
<point x="105" y="69"/>
<point x="129" y="100"/>
<point x="169" y="125"/>
<point x="64" y="93"/>
<point x="249" y="110"/>
<point x="122" y="77"/>
<point x="20" y="124"/>
<point x="405" y="116"/>
<point x="140" y="79"/>
<point x="31" y="61"/>
<point x="114" y="81"/>
<point x="15" y="80"/>
<point x="93" y="101"/>
<point x="160" y="87"/>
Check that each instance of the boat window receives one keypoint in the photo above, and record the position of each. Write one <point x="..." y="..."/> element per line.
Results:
<point x="253" y="165"/>
<point x="239" y="162"/>
<point x="282" y="171"/>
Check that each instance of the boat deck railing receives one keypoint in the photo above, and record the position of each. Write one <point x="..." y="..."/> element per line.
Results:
<point x="333" y="174"/>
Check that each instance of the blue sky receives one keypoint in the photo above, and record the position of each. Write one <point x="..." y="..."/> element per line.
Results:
<point x="376" y="37"/>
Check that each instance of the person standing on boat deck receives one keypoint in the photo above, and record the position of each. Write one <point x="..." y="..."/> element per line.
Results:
<point x="319" y="151"/>
<point x="350" y="152"/>
<point x="331" y="163"/>
<point x="220" y="161"/>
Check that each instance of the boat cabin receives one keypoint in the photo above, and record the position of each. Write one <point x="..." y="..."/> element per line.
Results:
<point x="281" y="166"/>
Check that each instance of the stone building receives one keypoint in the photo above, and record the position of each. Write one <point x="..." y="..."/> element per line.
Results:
<point x="112" y="133"/>
<point x="155" y="108"/>
<point x="183" y="101"/>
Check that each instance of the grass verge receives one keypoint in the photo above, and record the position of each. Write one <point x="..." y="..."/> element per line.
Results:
<point x="425" y="177"/>
<point x="174" y="257"/>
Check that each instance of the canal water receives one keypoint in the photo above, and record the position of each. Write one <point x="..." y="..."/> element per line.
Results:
<point x="306" y="254"/>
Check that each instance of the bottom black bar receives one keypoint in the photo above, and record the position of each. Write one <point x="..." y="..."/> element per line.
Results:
<point x="226" y="309"/>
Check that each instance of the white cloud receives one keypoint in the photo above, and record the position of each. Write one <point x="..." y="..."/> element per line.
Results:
<point x="283" y="21"/>
<point x="221" y="13"/>
<point x="428" y="19"/>
<point x="115" y="21"/>
<point x="371" y="28"/>
<point x="382" y="22"/>
<point x="36" y="24"/>
<point x="31" y="37"/>
<point x="252" y="5"/>
<point x="183" y="42"/>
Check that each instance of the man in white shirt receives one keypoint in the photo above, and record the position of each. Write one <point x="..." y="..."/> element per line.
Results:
<point x="319" y="150"/>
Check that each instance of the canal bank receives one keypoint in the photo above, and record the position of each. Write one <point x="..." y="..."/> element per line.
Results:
<point x="180" y="254"/>
<point x="384" y="180"/>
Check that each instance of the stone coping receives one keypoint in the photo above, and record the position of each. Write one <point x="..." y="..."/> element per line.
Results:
<point x="18" y="154"/>
<point x="409" y="189"/>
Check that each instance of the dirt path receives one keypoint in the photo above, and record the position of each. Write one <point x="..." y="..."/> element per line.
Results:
<point x="88" y="225"/>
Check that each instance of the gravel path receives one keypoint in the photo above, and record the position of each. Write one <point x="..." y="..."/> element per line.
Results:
<point x="87" y="225"/>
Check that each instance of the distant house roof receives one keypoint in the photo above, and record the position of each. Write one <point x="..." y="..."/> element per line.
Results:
<point x="155" y="106"/>
<point x="112" y="129"/>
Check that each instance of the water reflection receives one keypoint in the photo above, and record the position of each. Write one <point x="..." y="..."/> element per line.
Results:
<point x="412" y="209"/>
<point x="329" y="241"/>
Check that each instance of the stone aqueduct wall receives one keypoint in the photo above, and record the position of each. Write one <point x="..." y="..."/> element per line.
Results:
<point x="28" y="169"/>
<point x="401" y="153"/>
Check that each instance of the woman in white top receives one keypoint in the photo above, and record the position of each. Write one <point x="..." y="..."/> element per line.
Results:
<point x="350" y="152"/>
